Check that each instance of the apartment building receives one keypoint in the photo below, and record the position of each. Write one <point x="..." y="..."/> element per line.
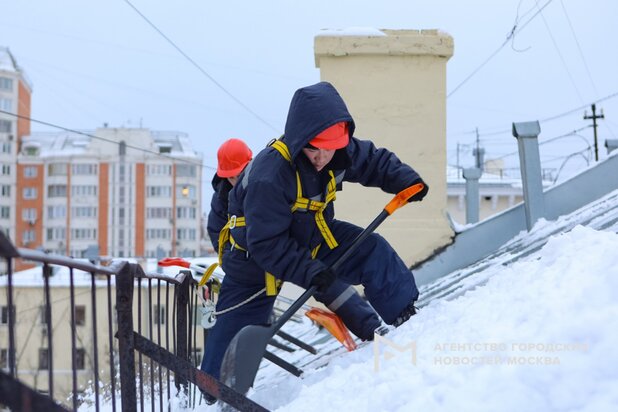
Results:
<point x="111" y="191"/>
<point x="15" y="91"/>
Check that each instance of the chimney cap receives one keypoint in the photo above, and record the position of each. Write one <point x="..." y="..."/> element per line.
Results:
<point x="526" y="129"/>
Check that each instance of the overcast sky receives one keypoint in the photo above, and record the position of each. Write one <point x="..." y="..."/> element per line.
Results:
<point x="95" y="62"/>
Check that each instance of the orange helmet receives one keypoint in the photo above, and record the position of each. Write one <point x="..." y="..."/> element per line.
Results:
<point x="233" y="156"/>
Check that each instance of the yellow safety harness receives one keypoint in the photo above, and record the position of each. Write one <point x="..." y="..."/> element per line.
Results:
<point x="301" y="204"/>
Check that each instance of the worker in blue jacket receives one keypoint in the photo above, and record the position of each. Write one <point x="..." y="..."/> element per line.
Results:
<point x="232" y="158"/>
<point x="282" y="225"/>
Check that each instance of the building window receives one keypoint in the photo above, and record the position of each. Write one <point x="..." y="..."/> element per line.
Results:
<point x="5" y="190"/>
<point x="6" y="170"/>
<point x="185" y="170"/>
<point x="158" y="312"/>
<point x="83" y="190"/>
<point x="158" y="212"/>
<point x="80" y="358"/>
<point x="186" y="234"/>
<point x="4" y="359"/>
<point x="186" y="191"/>
<point x="81" y="234"/>
<point x="42" y="315"/>
<point x="43" y="359"/>
<point x="56" y="233"/>
<point x="158" y="234"/>
<point x="5" y="212"/>
<point x="6" y="126"/>
<point x="159" y="191"/>
<point x="28" y="236"/>
<point x="6" y="84"/>
<point x="80" y="315"/>
<point x="6" y="104"/>
<point x="31" y="150"/>
<point x="163" y="148"/>
<point x="6" y="147"/>
<point x="29" y="193"/>
<point x="57" y="169"/>
<point x="84" y="169"/>
<point x="30" y="172"/>
<point x="159" y="170"/>
<point x="57" y="191"/>
<point x="83" y="211"/>
<point x="186" y="212"/>
<point x="4" y="315"/>
<point x="56" y="212"/>
<point x="29" y="214"/>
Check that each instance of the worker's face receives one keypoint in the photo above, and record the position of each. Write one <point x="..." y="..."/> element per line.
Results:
<point x="319" y="157"/>
<point x="233" y="180"/>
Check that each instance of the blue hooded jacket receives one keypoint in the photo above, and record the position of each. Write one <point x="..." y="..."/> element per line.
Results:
<point x="277" y="240"/>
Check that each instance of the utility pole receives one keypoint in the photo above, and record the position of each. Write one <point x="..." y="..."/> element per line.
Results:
<point x="478" y="152"/>
<point x="594" y="118"/>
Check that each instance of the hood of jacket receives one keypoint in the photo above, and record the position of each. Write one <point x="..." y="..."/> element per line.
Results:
<point x="313" y="109"/>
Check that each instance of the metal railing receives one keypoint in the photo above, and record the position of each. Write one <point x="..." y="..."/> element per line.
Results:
<point x="89" y="317"/>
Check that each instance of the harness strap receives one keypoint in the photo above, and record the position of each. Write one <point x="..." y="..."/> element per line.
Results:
<point x="302" y="203"/>
<point x="225" y="236"/>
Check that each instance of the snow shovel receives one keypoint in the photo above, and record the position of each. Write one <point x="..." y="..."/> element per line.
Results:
<point x="244" y="354"/>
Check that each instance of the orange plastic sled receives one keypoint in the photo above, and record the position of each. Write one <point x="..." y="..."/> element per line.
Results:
<point x="334" y="325"/>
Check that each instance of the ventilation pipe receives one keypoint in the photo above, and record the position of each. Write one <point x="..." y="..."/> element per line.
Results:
<point x="527" y="134"/>
<point x="611" y="145"/>
<point x="472" y="176"/>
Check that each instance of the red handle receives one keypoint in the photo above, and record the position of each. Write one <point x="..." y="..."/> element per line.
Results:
<point x="174" y="262"/>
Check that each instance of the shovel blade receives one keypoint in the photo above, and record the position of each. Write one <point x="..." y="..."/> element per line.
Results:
<point x="243" y="356"/>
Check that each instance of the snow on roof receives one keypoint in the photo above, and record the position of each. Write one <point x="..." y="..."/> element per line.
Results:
<point x="352" y="31"/>
<point x="534" y="330"/>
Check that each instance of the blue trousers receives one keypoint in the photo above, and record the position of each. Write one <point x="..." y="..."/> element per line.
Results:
<point x="389" y="287"/>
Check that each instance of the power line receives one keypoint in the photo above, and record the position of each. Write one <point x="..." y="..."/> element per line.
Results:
<point x="551" y="118"/>
<point x="579" y="48"/>
<point x="196" y="65"/>
<point x="564" y="64"/>
<point x="515" y="30"/>
<point x="141" y="149"/>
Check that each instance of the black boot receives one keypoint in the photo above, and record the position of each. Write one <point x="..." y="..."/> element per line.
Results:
<point x="405" y="314"/>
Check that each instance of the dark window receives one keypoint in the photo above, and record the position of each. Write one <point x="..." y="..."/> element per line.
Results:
<point x="4" y="358"/>
<point x="80" y="358"/>
<point x="80" y="315"/>
<point x="43" y="359"/>
<point x="42" y="317"/>
<point x="4" y="315"/>
<point x="159" y="314"/>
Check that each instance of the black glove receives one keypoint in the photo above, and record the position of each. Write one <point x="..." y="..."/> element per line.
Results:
<point x="420" y="195"/>
<point x="323" y="279"/>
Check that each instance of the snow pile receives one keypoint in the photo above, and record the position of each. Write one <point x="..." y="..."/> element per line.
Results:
<point x="539" y="335"/>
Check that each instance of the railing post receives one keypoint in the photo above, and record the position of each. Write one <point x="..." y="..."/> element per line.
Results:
<point x="126" y="345"/>
<point x="182" y="308"/>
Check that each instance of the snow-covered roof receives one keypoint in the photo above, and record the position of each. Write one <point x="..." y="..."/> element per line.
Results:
<point x="80" y="142"/>
<point x="528" y="328"/>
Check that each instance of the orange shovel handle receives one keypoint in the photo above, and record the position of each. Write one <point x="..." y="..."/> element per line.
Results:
<point x="402" y="197"/>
